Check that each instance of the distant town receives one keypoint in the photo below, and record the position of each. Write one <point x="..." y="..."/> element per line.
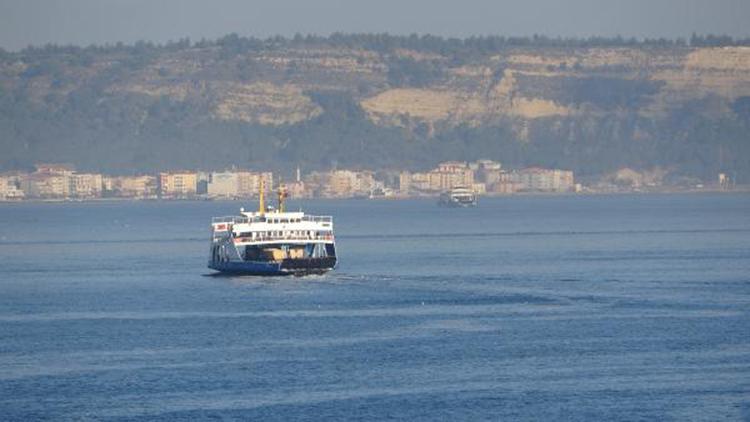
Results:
<point x="52" y="181"/>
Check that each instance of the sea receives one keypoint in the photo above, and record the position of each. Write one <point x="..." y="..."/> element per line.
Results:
<point x="529" y="308"/>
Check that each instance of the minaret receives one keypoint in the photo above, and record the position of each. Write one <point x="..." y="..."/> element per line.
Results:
<point x="299" y="175"/>
<point x="261" y="198"/>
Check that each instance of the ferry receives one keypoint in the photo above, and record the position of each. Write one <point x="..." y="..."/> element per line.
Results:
<point x="459" y="196"/>
<point x="272" y="242"/>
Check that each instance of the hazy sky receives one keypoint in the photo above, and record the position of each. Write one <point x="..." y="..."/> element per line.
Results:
<point x="83" y="22"/>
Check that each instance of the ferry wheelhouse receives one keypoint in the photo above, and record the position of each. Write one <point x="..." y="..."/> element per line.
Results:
<point x="272" y="242"/>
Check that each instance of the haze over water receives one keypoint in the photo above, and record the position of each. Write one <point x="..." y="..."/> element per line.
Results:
<point x="525" y="308"/>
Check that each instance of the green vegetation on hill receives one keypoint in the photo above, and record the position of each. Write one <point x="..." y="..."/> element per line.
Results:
<point x="591" y="105"/>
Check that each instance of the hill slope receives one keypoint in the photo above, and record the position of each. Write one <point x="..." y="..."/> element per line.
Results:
<point x="376" y="101"/>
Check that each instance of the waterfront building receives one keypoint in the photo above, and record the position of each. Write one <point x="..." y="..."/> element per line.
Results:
<point x="132" y="186"/>
<point x="404" y="182"/>
<point x="420" y="182"/>
<point x="348" y="183"/>
<point x="238" y="183"/>
<point x="506" y="183"/>
<point x="446" y="176"/>
<point x="487" y="171"/>
<point x="180" y="184"/>
<point x="249" y="183"/>
<point x="536" y="179"/>
<point x="451" y="174"/>
<point x="223" y="185"/>
<point x="10" y="187"/>
<point x="85" y="185"/>
<point x="49" y="181"/>
<point x="45" y="186"/>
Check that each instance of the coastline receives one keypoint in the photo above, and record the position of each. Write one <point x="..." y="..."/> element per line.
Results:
<point x="737" y="190"/>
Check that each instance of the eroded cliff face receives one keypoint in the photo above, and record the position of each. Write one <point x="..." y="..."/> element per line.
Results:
<point x="485" y="102"/>
<point x="534" y="85"/>
<point x="272" y="87"/>
<point x="264" y="103"/>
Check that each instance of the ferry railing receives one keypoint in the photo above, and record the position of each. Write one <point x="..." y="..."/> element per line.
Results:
<point x="241" y="220"/>
<point x="318" y="218"/>
<point x="291" y="237"/>
<point x="232" y="219"/>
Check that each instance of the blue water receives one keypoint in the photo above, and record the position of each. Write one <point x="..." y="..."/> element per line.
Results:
<point x="525" y="308"/>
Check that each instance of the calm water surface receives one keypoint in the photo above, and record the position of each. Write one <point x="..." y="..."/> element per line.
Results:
<point x="525" y="308"/>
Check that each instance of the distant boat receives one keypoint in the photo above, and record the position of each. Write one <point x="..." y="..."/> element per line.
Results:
<point x="272" y="242"/>
<point x="459" y="196"/>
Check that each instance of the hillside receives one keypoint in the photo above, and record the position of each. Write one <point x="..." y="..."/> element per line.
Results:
<point x="379" y="101"/>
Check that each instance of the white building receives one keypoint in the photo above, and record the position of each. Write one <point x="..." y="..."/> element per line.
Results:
<point x="238" y="184"/>
<point x="223" y="184"/>
<point x="85" y="185"/>
<point x="9" y="188"/>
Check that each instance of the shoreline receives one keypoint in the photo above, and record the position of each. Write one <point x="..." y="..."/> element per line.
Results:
<point x="743" y="190"/>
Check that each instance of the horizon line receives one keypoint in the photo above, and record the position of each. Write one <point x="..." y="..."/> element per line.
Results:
<point x="623" y="40"/>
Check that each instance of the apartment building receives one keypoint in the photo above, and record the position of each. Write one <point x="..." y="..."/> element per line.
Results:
<point x="85" y="185"/>
<point x="10" y="187"/>
<point x="536" y="179"/>
<point x="348" y="183"/>
<point x="144" y="186"/>
<point x="181" y="184"/>
<point x="238" y="184"/>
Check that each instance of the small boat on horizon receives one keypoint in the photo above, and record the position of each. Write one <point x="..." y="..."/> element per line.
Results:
<point x="459" y="196"/>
